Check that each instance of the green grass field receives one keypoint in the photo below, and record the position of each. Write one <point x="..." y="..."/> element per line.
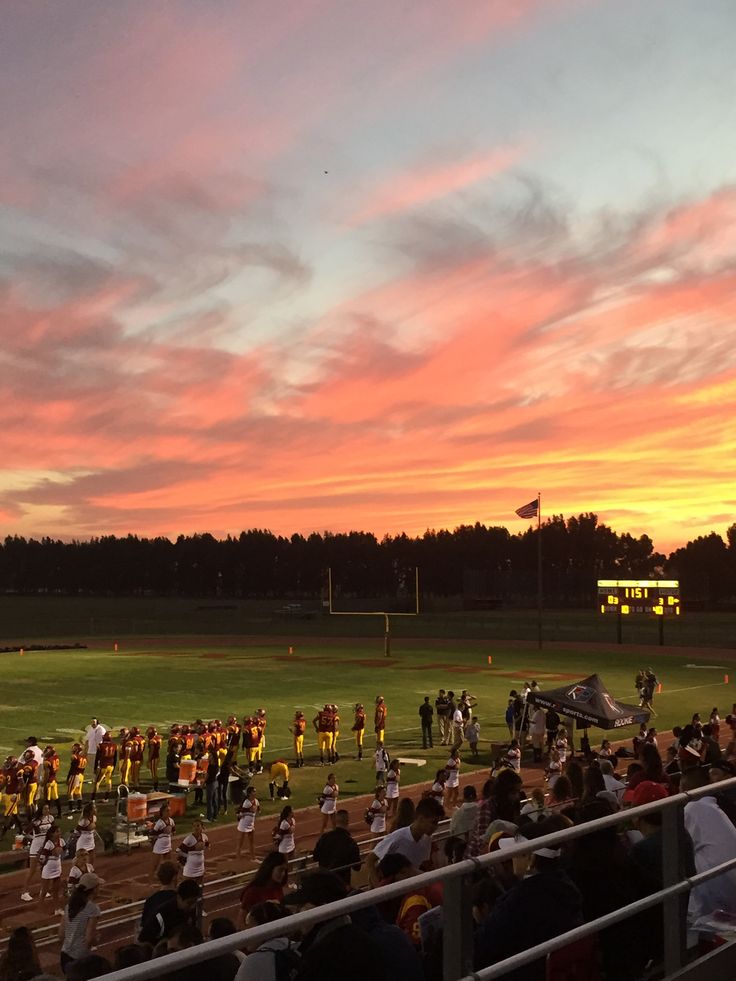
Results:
<point x="52" y="695"/>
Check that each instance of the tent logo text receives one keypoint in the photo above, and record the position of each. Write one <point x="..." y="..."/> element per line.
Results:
<point x="581" y="693"/>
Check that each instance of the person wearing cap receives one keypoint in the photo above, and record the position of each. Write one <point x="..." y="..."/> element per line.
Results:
<point x="542" y="905"/>
<point x="335" y="949"/>
<point x="78" y="928"/>
<point x="647" y="852"/>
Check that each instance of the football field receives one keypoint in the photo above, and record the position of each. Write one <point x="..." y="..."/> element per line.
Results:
<point x="53" y="695"/>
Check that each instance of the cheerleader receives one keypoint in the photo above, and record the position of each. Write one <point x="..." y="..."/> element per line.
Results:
<point x="438" y="787"/>
<point x="554" y="767"/>
<point x="192" y="850"/>
<point x="561" y="744"/>
<point x="378" y="811"/>
<point x="49" y="859"/>
<point x="452" y="768"/>
<point x="80" y="867"/>
<point x="392" y="787"/>
<point x="162" y="833"/>
<point x="513" y="755"/>
<point x="329" y="801"/>
<point x="284" y="832"/>
<point x="247" y="822"/>
<point x="86" y="830"/>
<point x="715" y="724"/>
<point x="37" y="829"/>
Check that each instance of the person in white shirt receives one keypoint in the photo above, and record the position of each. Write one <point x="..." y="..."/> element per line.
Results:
<point x="513" y="755"/>
<point x="393" y="777"/>
<point x="458" y="727"/>
<point x="33" y="748"/>
<point x="462" y="822"/>
<point x="93" y="738"/>
<point x="414" y="842"/>
<point x="612" y="784"/>
<point x="382" y="761"/>
<point x="714" y="842"/>
<point x="537" y="730"/>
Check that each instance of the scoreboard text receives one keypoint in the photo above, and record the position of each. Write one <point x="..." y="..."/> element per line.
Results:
<point x="653" y="597"/>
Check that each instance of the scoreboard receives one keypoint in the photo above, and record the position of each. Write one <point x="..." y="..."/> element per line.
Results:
<point x="652" y="597"/>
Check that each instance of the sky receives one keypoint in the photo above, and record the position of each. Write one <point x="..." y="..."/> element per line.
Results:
<point x="385" y="266"/>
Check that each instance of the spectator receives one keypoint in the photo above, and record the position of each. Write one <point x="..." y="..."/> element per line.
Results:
<point x="534" y="810"/>
<point x="593" y="783"/>
<point x="406" y="910"/>
<point x="561" y="798"/>
<point x="401" y="962"/>
<point x="501" y="800"/>
<point x="652" y="768"/>
<point x="89" y="967"/>
<point x="510" y="718"/>
<point x="78" y="927"/>
<point x="167" y="874"/>
<point x="714" y="842"/>
<point x="574" y="773"/>
<point x="544" y="904"/>
<point x="463" y="820"/>
<point x="611" y="783"/>
<point x="223" y="926"/>
<point x="404" y="814"/>
<point x="647" y="852"/>
<point x="260" y="964"/>
<point x="130" y="955"/>
<point x="415" y="842"/>
<point x="608" y="879"/>
<point x="337" y="850"/>
<point x="179" y="911"/>
<point x="711" y="747"/>
<point x="335" y="949"/>
<point x="551" y="725"/>
<point x="268" y="883"/>
<point x="20" y="958"/>
<point x="426" y="713"/>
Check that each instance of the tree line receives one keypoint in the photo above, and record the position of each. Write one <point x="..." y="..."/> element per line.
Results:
<point x="486" y="565"/>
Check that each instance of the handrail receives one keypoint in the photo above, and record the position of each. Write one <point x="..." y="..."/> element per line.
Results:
<point x="304" y="920"/>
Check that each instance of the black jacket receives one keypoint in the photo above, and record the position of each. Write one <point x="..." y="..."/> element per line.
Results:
<point x="540" y="907"/>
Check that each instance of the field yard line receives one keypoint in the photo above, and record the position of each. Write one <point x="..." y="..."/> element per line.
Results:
<point x="672" y="691"/>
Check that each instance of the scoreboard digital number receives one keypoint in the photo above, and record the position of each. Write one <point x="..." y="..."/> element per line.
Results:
<point x="652" y="597"/>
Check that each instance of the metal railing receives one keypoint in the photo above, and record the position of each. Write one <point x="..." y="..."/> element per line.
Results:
<point x="457" y="913"/>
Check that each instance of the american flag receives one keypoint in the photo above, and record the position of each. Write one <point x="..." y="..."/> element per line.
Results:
<point x="528" y="510"/>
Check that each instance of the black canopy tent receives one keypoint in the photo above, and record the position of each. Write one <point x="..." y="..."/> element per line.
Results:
<point x="590" y="704"/>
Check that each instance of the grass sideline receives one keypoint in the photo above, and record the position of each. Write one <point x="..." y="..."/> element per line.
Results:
<point x="52" y="695"/>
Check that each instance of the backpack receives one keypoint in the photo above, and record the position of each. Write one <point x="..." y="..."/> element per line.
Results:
<point x="286" y="961"/>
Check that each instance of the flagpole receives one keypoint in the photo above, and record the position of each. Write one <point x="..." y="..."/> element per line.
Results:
<point x="539" y="570"/>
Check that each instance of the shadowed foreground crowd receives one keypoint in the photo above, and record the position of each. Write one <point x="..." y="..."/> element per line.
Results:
<point x="516" y="903"/>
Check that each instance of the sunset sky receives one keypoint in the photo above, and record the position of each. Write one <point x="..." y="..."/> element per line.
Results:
<point x="390" y="265"/>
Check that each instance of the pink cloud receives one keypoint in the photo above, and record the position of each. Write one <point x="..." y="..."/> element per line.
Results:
<point x="427" y="184"/>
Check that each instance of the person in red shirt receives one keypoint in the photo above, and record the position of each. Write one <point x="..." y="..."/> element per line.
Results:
<point x="269" y="883"/>
<point x="75" y="777"/>
<point x="297" y="730"/>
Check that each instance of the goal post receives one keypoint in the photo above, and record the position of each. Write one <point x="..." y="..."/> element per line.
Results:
<point x="386" y="614"/>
